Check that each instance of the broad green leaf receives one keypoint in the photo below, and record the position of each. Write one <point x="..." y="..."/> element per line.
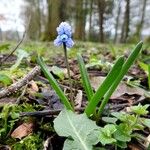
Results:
<point x="121" y="144"/>
<point x="106" y="134"/>
<point x="120" y="115"/>
<point x="123" y="133"/>
<point x="105" y="139"/>
<point x="82" y="132"/>
<point x="145" y="122"/>
<point x="109" y="119"/>
<point x="20" y="55"/>
<point x="4" y="79"/>
<point x="139" y="109"/>
<point x="108" y="129"/>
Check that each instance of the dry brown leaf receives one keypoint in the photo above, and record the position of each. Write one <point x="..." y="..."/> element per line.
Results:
<point x="66" y="73"/>
<point x="33" y="86"/>
<point x="78" y="99"/>
<point x="147" y="141"/>
<point x="134" y="147"/>
<point x="22" y="131"/>
<point x="121" y="90"/>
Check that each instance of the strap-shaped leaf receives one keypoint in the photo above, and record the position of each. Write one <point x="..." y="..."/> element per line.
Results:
<point x="85" y="78"/>
<point x="54" y="84"/>
<point x="112" y="75"/>
<point x="124" y="70"/>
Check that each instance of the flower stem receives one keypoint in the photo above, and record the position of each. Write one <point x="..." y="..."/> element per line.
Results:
<point x="69" y="76"/>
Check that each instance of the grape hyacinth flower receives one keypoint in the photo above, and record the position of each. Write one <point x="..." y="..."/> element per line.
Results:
<point x="64" y="35"/>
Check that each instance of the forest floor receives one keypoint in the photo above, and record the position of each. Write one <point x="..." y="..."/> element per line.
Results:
<point x="28" y="104"/>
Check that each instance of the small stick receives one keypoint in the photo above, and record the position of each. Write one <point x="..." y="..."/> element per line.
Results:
<point x="22" y="94"/>
<point x="81" y="109"/>
<point x="22" y="82"/>
<point x="46" y="112"/>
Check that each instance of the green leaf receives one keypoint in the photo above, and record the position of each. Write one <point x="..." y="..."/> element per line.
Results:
<point x="106" y="134"/>
<point x="109" y="129"/>
<point x="121" y="144"/>
<point x="120" y="115"/>
<point x="143" y="66"/>
<point x="109" y="119"/>
<point x="58" y="72"/>
<point x="85" y="78"/>
<point x="118" y="79"/>
<point x="4" y="46"/>
<point x="123" y="133"/>
<point x="145" y="122"/>
<point x="54" y="84"/>
<point x="106" y="140"/>
<point x="139" y="109"/>
<point x="104" y="87"/>
<point x="20" y="55"/>
<point x="4" y="79"/>
<point x="82" y="132"/>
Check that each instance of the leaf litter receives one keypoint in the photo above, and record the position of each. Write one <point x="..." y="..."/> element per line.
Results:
<point x="41" y="96"/>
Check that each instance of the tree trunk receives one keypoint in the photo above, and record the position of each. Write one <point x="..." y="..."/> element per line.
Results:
<point x="117" y="21"/>
<point x="140" y="25"/>
<point x="79" y="20"/>
<point x="125" y="26"/>
<point x="101" y="10"/>
<point x="39" y="17"/>
<point x="90" y="18"/>
<point x="56" y="14"/>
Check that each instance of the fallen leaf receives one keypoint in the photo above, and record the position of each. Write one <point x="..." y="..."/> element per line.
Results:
<point x="121" y="89"/>
<point x="147" y="141"/>
<point x="66" y="73"/>
<point x="22" y="131"/>
<point x="78" y="99"/>
<point x="33" y="86"/>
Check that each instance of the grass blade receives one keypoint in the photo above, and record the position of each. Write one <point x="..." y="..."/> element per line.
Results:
<point x="54" y="84"/>
<point x="104" y="87"/>
<point x="85" y="78"/>
<point x="124" y="70"/>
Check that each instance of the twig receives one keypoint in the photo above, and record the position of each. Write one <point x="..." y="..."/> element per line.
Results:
<point x="46" y="112"/>
<point x="22" y="82"/>
<point x="22" y="94"/>
<point x="81" y="109"/>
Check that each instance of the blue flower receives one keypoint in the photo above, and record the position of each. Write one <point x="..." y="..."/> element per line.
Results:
<point x="64" y="35"/>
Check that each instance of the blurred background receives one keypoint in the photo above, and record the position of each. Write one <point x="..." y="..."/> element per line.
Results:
<point x="117" y="21"/>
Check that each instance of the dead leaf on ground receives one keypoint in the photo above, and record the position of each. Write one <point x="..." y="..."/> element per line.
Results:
<point x="78" y="99"/>
<point x="33" y="86"/>
<point x="66" y="73"/>
<point x="134" y="147"/>
<point x="121" y="90"/>
<point x="22" y="131"/>
<point x="147" y="141"/>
